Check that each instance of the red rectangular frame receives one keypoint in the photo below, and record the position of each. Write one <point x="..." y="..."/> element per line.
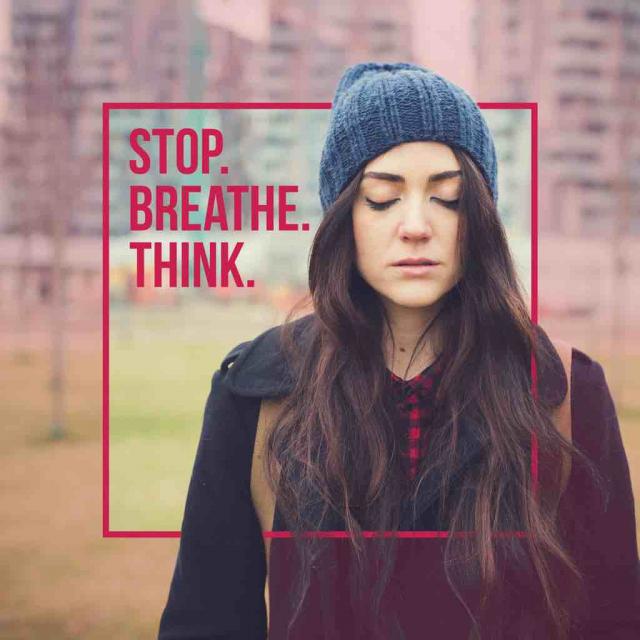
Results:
<point x="107" y="107"/>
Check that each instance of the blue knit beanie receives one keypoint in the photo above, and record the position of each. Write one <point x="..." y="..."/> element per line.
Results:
<point x="378" y="106"/>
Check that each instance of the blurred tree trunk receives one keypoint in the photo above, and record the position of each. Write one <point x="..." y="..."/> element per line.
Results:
<point x="44" y="180"/>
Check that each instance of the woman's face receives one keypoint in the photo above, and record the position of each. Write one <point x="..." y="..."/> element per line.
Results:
<point x="406" y="212"/>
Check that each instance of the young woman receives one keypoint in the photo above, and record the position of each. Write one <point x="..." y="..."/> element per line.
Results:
<point x="405" y="404"/>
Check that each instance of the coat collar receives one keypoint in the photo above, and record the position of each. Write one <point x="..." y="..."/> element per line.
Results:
<point x="257" y="368"/>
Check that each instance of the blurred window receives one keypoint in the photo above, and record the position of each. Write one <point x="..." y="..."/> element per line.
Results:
<point x="106" y="38"/>
<point x="629" y="73"/>
<point x="599" y="15"/>
<point x="583" y="72"/>
<point x="573" y="156"/>
<point x="595" y="185"/>
<point x="512" y="22"/>
<point x="632" y="44"/>
<point x="107" y="14"/>
<point x="630" y="18"/>
<point x="596" y="220"/>
<point x="517" y="85"/>
<point x="584" y="43"/>
<point x="382" y="25"/>
<point x="595" y="126"/>
<point x="566" y="99"/>
<point x="283" y="47"/>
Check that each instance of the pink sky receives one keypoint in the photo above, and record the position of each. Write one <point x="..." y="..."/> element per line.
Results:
<point x="247" y="18"/>
<point x="442" y="39"/>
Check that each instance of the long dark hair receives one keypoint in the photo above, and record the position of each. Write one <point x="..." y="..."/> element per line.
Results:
<point x="319" y="463"/>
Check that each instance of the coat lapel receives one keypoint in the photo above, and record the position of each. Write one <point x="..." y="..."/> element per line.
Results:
<point x="258" y="369"/>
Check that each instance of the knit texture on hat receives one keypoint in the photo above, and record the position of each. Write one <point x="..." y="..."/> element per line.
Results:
<point x="378" y="106"/>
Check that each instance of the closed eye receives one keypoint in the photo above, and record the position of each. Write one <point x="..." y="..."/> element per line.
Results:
<point x="450" y="204"/>
<point x="380" y="206"/>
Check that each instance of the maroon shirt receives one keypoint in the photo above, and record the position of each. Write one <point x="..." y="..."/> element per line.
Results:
<point x="415" y="401"/>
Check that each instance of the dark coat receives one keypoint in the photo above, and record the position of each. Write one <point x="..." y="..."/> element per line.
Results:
<point x="217" y="589"/>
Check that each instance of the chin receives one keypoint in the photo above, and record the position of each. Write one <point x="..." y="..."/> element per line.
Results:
<point x="414" y="299"/>
<point x="415" y="303"/>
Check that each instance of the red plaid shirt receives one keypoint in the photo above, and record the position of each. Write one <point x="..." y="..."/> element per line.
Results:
<point x="414" y="399"/>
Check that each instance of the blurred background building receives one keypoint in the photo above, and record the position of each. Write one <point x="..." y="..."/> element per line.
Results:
<point x="579" y="60"/>
<point x="60" y="59"/>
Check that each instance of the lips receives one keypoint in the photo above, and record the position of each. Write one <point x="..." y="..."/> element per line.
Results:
<point x="416" y="267"/>
<point x="414" y="262"/>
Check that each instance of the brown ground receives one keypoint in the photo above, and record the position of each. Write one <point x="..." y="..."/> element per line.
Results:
<point x="65" y="580"/>
<point x="60" y="578"/>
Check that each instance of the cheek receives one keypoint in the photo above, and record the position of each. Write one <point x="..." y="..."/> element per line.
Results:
<point x="367" y="239"/>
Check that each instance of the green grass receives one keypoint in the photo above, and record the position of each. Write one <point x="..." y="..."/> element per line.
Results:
<point x="149" y="480"/>
<point x="158" y="390"/>
<point x="161" y="364"/>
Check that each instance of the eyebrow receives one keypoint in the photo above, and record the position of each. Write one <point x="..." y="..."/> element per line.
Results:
<point x="392" y="177"/>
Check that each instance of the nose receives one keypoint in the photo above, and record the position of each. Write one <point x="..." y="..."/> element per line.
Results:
<point x="415" y="224"/>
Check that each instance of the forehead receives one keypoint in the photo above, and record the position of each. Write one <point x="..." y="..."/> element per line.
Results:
<point x="419" y="159"/>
